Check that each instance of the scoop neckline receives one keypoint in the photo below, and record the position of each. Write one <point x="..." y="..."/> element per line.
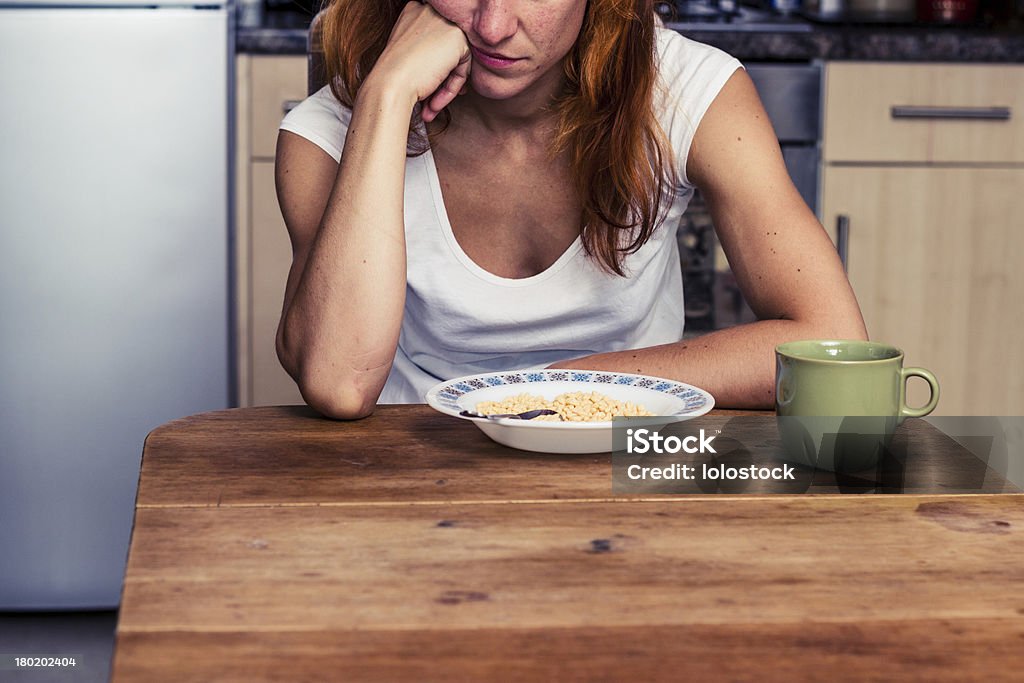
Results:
<point x="441" y="212"/>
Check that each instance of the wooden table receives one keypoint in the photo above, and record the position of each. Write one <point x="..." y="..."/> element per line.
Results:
<point x="270" y="544"/>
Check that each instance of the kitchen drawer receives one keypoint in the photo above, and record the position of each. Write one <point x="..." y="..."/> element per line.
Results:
<point x="276" y="82"/>
<point x="915" y="113"/>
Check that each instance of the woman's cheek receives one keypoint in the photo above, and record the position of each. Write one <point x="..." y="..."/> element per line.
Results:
<point x="455" y="12"/>
<point x="560" y="29"/>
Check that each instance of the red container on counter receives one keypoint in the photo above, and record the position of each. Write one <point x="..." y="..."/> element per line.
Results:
<point x="947" y="11"/>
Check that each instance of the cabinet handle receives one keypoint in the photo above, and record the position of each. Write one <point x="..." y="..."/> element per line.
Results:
<point x="843" y="239"/>
<point x="290" y="104"/>
<point x="952" y="113"/>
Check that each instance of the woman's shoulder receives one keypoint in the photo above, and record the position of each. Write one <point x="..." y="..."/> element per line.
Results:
<point x="690" y="77"/>
<point x="683" y="62"/>
<point x="321" y="119"/>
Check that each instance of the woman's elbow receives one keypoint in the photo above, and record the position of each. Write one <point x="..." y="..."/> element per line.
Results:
<point x="285" y="356"/>
<point x="859" y="333"/>
<point x="848" y="324"/>
<point x="340" y="394"/>
<point x="337" y="394"/>
<point x="337" y="400"/>
<point x="343" y="407"/>
<point x="851" y="323"/>
<point x="830" y="323"/>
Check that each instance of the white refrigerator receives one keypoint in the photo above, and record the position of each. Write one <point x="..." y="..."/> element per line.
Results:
<point x="114" y="272"/>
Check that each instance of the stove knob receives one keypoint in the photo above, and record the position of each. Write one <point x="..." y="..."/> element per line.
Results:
<point x="665" y="10"/>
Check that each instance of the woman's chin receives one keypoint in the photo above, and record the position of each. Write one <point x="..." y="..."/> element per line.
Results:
<point x="494" y="88"/>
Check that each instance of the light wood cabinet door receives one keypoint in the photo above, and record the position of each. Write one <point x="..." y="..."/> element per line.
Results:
<point x="923" y="113"/>
<point x="266" y="84"/>
<point x="277" y="82"/>
<point x="271" y="259"/>
<point x="935" y="261"/>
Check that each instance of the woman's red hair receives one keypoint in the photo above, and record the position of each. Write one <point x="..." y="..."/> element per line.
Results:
<point x="618" y="154"/>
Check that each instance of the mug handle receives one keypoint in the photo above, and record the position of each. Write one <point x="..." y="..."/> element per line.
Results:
<point x="905" y="410"/>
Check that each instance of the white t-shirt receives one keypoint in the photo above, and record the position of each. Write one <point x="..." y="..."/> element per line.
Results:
<point x="461" y="319"/>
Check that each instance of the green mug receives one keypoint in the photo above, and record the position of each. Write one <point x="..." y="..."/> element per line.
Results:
<point x="838" y="402"/>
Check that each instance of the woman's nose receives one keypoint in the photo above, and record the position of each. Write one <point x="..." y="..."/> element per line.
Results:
<point x="495" y="21"/>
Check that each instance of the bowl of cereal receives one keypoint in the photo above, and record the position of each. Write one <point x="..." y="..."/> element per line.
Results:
<point x="586" y="403"/>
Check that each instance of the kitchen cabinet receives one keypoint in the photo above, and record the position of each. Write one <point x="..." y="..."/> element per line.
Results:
<point x="266" y="86"/>
<point x="933" y="204"/>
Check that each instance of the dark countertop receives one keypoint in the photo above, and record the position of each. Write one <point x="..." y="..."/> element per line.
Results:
<point x="271" y="41"/>
<point x="869" y="43"/>
<point x="285" y="33"/>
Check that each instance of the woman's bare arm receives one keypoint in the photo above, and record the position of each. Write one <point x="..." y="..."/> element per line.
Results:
<point x="346" y="289"/>
<point x="785" y="263"/>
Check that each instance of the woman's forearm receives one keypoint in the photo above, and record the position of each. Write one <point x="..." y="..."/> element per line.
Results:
<point x="346" y="290"/>
<point x="340" y="329"/>
<point x="736" y="365"/>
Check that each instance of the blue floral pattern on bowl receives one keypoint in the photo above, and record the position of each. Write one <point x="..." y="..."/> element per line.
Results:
<point x="448" y="394"/>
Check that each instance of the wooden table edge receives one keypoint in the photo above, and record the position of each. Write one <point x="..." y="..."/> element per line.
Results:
<point x="668" y="498"/>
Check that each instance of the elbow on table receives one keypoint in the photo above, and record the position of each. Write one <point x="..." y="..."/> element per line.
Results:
<point x="861" y="334"/>
<point x="338" y="399"/>
<point x="336" y="394"/>
<point x="849" y="327"/>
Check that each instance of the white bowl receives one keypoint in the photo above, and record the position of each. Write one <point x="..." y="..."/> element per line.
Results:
<point x="669" y="400"/>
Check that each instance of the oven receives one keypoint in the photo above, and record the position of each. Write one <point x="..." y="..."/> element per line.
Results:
<point x="791" y="94"/>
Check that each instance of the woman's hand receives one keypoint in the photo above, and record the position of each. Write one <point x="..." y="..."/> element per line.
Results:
<point x="427" y="54"/>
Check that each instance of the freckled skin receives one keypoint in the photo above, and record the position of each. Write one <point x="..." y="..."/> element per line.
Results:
<point x="541" y="32"/>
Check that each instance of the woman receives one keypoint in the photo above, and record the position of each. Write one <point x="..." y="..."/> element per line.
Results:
<point x="526" y="217"/>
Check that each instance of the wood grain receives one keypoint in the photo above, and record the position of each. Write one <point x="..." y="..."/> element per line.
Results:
<point x="628" y="563"/>
<point x="289" y="455"/>
<point x="272" y="545"/>
<point x="883" y="587"/>
<point x="905" y="650"/>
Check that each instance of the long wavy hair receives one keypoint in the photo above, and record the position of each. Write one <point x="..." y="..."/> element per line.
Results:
<point x="618" y="153"/>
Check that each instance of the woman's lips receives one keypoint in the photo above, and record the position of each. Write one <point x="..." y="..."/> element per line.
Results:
<point x="492" y="60"/>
